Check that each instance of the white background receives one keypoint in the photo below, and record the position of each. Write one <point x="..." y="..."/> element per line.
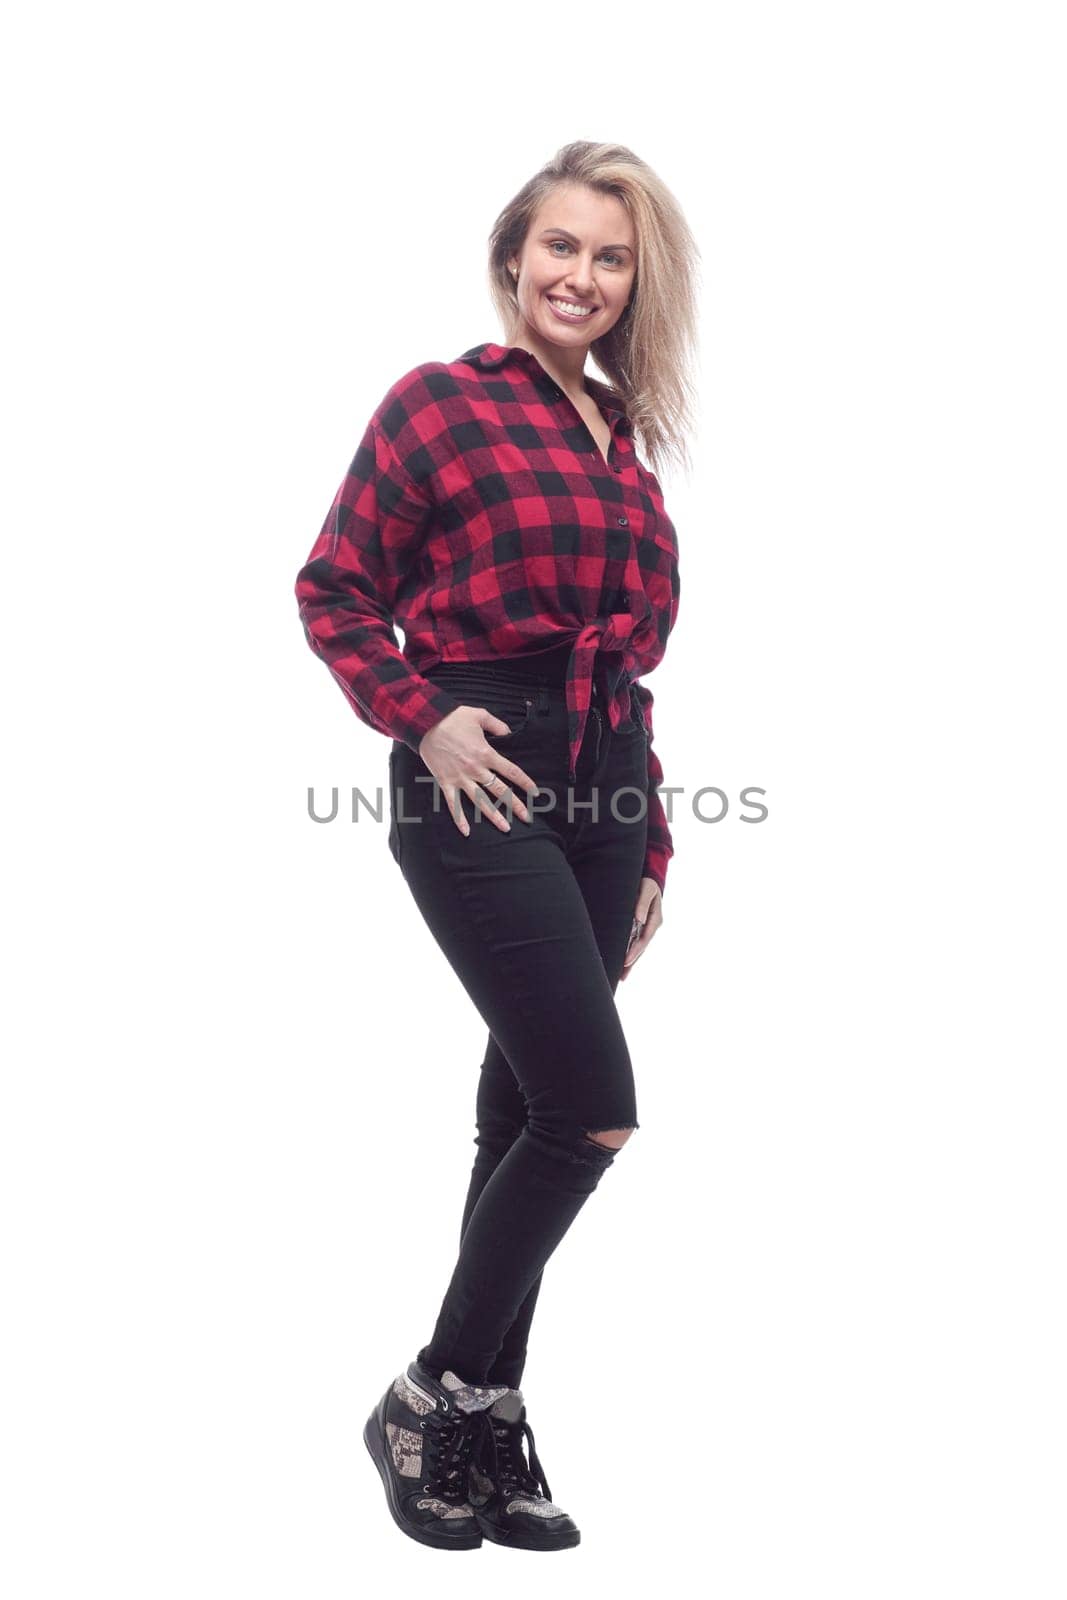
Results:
<point x="808" y="1337"/>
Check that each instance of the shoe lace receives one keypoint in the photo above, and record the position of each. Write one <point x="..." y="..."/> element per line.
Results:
<point x="447" y="1453"/>
<point x="500" y="1456"/>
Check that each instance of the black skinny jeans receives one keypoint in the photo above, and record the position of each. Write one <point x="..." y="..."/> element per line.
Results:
<point x="535" y="922"/>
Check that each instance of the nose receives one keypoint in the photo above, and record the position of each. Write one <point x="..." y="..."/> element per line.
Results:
<point x="581" y="280"/>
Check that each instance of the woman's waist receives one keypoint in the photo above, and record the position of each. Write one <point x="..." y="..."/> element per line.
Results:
<point x="547" y="668"/>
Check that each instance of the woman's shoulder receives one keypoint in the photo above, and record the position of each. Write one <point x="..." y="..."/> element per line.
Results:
<point x="421" y="417"/>
<point x="429" y="384"/>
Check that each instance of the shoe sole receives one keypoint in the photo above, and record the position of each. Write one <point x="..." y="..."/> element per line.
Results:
<point x="374" y="1439"/>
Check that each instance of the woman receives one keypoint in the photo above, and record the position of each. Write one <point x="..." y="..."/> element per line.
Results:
<point x="497" y="509"/>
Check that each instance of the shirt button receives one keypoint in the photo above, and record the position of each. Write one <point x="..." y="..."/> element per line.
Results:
<point x="623" y="522"/>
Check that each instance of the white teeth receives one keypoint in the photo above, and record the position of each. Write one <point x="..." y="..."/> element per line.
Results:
<point x="571" y="311"/>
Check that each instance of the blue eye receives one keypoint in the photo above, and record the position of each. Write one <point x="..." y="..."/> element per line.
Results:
<point x="610" y="254"/>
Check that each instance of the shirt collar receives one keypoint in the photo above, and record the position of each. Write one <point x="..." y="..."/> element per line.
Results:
<point x="490" y="357"/>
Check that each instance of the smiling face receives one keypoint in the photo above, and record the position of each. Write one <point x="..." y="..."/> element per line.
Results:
<point x="580" y="252"/>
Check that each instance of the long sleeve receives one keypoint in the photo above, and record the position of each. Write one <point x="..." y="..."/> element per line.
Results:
<point x="372" y="537"/>
<point x="660" y="846"/>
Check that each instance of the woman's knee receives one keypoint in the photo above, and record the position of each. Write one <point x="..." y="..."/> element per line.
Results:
<point x="497" y="1132"/>
<point x="610" y="1138"/>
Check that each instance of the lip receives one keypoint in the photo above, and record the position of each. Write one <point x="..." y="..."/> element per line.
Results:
<point x="562" y="316"/>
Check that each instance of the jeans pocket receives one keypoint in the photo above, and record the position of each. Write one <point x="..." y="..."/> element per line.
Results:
<point x="511" y="706"/>
<point x="473" y="684"/>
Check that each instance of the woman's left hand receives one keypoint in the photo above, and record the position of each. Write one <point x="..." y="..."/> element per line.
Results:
<point x="648" y="914"/>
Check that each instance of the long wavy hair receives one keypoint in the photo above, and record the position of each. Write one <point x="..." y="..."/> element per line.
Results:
<point x="648" y="355"/>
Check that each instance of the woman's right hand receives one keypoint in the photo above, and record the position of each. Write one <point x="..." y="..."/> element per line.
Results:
<point x="460" y="758"/>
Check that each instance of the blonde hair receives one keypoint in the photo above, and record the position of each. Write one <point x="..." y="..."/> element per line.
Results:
<point x="647" y="355"/>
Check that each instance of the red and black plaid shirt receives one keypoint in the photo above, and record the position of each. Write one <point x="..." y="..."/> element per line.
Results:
<point x="479" y="514"/>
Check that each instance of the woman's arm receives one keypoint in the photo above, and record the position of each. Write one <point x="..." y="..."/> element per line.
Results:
<point x="660" y="846"/>
<point x="346" y="591"/>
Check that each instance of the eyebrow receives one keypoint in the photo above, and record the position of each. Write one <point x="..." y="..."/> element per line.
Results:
<point x="573" y="240"/>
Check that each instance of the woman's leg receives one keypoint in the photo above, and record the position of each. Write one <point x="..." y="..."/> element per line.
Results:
<point x="604" y="868"/>
<point x="500" y="1116"/>
<point x="511" y="919"/>
<point x="509" y="910"/>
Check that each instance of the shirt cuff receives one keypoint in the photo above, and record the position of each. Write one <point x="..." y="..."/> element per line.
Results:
<point x="656" y="866"/>
<point x="412" y="728"/>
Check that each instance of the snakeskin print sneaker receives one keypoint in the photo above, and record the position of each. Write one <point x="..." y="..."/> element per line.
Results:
<point x="421" y="1437"/>
<point x="506" y="1493"/>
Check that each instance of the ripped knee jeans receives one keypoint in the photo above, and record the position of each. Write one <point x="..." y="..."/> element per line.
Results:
<point x="535" y="923"/>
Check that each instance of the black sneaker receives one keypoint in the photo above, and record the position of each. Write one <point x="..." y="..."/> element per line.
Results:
<point x="421" y="1435"/>
<point x="506" y="1493"/>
